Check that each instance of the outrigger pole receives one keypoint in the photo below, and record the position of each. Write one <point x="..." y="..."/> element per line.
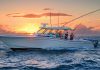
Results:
<point x="80" y="17"/>
<point x="50" y="19"/>
<point x="95" y="42"/>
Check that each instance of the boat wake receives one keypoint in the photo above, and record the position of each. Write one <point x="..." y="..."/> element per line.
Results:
<point x="72" y="58"/>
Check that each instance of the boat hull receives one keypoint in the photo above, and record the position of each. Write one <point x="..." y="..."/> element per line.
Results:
<point x="43" y="42"/>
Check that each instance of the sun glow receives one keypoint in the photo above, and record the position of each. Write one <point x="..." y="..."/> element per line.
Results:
<point x="29" y="28"/>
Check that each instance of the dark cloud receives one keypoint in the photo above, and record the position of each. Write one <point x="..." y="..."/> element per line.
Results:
<point x="28" y="16"/>
<point x="37" y="15"/>
<point x="47" y="9"/>
<point x="12" y="14"/>
<point x="82" y="30"/>
<point x="55" y="14"/>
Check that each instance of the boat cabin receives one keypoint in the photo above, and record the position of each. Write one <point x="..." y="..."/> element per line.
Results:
<point x="44" y="29"/>
<point x="53" y="31"/>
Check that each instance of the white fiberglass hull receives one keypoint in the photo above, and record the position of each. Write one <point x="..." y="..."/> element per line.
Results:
<point x="43" y="42"/>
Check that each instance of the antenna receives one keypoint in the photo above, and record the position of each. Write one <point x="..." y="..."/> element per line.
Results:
<point x="50" y="14"/>
<point x="50" y="19"/>
<point x="58" y="20"/>
<point x="81" y="16"/>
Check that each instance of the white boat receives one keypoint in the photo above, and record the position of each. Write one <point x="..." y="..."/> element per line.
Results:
<point x="43" y="40"/>
<point x="46" y="40"/>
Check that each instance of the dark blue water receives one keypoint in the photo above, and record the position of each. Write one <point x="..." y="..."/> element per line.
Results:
<point x="71" y="59"/>
<point x="51" y="60"/>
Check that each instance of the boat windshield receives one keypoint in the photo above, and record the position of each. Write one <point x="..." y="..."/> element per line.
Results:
<point x="53" y="31"/>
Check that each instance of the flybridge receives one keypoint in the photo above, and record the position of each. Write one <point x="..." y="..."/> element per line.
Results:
<point x="48" y="29"/>
<point x="56" y="28"/>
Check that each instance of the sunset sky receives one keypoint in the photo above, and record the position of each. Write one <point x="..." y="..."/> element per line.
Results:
<point x="25" y="16"/>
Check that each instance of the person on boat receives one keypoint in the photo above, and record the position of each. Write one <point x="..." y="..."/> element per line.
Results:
<point x="71" y="36"/>
<point x="57" y="34"/>
<point x="60" y="34"/>
<point x="66" y="35"/>
<point x="51" y="35"/>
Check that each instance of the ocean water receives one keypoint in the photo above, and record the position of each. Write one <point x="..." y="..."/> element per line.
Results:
<point x="49" y="59"/>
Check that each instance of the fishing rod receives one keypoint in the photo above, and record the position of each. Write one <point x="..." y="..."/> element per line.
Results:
<point x="80" y="17"/>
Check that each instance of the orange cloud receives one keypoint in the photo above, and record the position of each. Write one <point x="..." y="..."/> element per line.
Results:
<point x="37" y="15"/>
<point x="12" y="14"/>
<point x="82" y="30"/>
<point x="5" y="30"/>
<point x="55" y="14"/>
<point x="47" y="9"/>
<point x="27" y="28"/>
<point x="29" y="16"/>
<point x="97" y="28"/>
